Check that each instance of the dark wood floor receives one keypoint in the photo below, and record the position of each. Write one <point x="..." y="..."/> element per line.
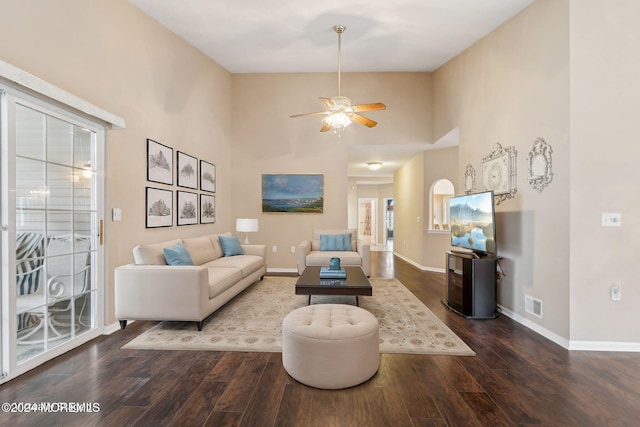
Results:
<point x="517" y="378"/>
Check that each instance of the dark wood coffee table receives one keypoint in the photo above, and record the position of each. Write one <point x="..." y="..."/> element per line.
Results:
<point x="356" y="284"/>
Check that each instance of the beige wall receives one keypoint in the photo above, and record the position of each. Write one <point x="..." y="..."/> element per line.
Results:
<point x="110" y="54"/>
<point x="438" y="164"/>
<point x="511" y="87"/>
<point x="266" y="140"/>
<point x="409" y="194"/>
<point x="605" y="101"/>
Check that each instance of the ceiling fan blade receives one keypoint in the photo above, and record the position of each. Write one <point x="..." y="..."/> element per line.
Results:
<point x="363" y="120"/>
<point x="325" y="127"/>
<point x="318" y="113"/>
<point x="327" y="102"/>
<point x="369" y="107"/>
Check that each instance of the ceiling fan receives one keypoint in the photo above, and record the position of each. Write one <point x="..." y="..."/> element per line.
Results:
<point x="339" y="112"/>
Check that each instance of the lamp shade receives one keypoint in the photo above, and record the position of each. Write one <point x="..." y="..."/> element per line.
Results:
<point x="247" y="225"/>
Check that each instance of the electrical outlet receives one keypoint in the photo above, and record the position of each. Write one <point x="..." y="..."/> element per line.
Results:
<point x="293" y="249"/>
<point x="615" y="292"/>
<point x="274" y="249"/>
<point x="610" y="219"/>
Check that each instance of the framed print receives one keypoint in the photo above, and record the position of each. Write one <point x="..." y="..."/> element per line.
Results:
<point x="292" y="193"/>
<point x="207" y="176"/>
<point x="158" y="208"/>
<point x="207" y="209"/>
<point x="187" y="208"/>
<point x="187" y="171"/>
<point x="159" y="163"/>
<point x="499" y="172"/>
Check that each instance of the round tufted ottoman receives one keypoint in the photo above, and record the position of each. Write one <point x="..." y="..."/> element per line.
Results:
<point x="330" y="346"/>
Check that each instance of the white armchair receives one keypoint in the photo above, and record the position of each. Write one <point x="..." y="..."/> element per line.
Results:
<point x="316" y="252"/>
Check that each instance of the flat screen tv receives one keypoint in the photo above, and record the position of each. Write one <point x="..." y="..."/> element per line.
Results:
<point x="473" y="224"/>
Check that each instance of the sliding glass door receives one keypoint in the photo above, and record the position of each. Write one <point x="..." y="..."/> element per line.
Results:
<point x="52" y="246"/>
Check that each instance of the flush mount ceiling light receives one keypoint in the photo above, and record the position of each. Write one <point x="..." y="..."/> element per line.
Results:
<point x="339" y="112"/>
<point x="374" y="166"/>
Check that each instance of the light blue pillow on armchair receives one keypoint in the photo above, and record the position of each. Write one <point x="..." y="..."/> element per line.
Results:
<point x="177" y="255"/>
<point x="230" y="245"/>
<point x="335" y="242"/>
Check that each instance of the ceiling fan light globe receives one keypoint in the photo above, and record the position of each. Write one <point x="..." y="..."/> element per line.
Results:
<point x="338" y="120"/>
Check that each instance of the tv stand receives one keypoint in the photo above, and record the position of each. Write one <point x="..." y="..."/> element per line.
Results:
<point x="471" y="285"/>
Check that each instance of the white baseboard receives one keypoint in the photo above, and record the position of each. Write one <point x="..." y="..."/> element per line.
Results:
<point x="581" y="345"/>
<point x="535" y="327"/>
<point x="114" y="327"/>
<point x="418" y="266"/>
<point x="575" y="345"/>
<point x="282" y="270"/>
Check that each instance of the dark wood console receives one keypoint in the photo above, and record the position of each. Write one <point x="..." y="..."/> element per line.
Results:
<point x="471" y="285"/>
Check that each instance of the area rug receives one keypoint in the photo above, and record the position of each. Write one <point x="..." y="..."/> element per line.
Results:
<point x="252" y="321"/>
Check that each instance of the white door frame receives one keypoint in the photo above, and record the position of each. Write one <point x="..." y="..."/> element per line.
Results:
<point x="7" y="299"/>
<point x="373" y="220"/>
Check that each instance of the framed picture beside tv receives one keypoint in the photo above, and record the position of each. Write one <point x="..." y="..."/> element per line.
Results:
<point x="473" y="225"/>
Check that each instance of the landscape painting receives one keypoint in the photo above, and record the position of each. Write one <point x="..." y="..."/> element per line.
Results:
<point x="158" y="207"/>
<point x="159" y="163"/>
<point x="292" y="193"/>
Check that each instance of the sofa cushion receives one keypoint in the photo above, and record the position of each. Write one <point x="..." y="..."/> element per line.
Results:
<point x="177" y="255"/>
<point x="317" y="232"/>
<point x="215" y="241"/>
<point x="335" y="242"/>
<point x="247" y="264"/>
<point x="321" y="258"/>
<point x="221" y="279"/>
<point x="152" y="254"/>
<point x="230" y="245"/>
<point x="200" y="248"/>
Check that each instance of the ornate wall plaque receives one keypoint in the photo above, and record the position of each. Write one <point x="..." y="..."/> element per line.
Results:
<point x="499" y="172"/>
<point x="540" y="171"/>
<point x="469" y="179"/>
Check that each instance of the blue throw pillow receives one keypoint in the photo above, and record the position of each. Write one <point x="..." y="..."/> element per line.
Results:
<point x="230" y="245"/>
<point x="335" y="242"/>
<point x="177" y="255"/>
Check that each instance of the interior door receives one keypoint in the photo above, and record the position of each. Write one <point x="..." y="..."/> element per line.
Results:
<point x="52" y="262"/>
<point x="368" y="220"/>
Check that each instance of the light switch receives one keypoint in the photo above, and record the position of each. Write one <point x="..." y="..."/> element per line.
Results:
<point x="610" y="219"/>
<point x="116" y="214"/>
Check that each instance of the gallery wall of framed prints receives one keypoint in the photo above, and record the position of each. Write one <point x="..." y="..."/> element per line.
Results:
<point x="191" y="207"/>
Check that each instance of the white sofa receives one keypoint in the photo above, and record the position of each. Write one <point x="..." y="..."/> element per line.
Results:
<point x="152" y="290"/>
<point x="311" y="252"/>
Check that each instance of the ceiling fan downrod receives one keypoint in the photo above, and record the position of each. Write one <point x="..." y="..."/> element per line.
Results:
<point x="339" y="29"/>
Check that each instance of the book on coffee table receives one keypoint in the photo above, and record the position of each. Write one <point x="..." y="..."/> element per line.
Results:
<point x="327" y="273"/>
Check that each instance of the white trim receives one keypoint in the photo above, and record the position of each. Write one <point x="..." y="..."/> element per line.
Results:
<point x="282" y="270"/>
<point x="574" y="345"/>
<point x="36" y="84"/>
<point x="604" y="346"/>
<point x="418" y="266"/>
<point x="114" y="327"/>
<point x="535" y="327"/>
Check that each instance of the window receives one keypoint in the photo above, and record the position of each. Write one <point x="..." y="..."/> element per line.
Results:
<point x="439" y="195"/>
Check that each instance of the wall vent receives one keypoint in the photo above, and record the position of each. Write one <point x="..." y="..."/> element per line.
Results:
<point x="533" y="305"/>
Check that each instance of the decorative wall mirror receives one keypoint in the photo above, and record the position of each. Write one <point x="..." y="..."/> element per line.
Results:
<point x="540" y="171"/>
<point x="499" y="172"/>
<point x="469" y="179"/>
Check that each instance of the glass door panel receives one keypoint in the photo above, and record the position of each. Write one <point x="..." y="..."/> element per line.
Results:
<point x="56" y="217"/>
